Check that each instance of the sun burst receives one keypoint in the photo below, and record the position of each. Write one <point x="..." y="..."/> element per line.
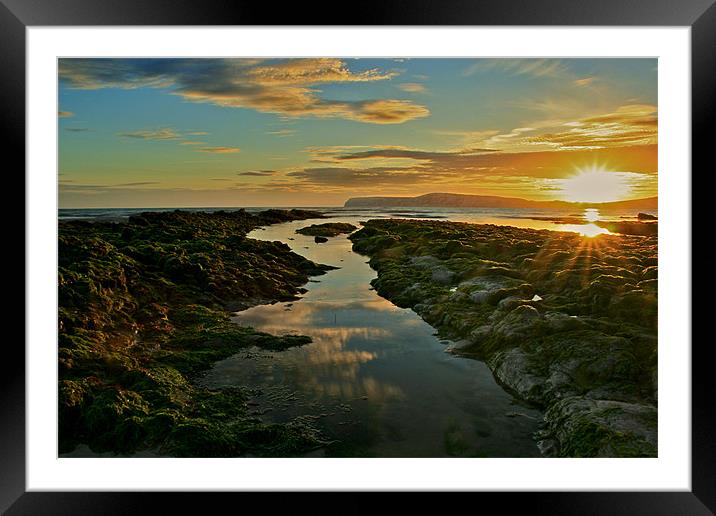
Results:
<point x="594" y="184"/>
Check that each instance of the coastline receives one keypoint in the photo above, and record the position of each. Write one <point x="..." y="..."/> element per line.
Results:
<point x="144" y="308"/>
<point x="565" y="322"/>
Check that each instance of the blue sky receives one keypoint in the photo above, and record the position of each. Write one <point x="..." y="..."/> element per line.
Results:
<point x="308" y="132"/>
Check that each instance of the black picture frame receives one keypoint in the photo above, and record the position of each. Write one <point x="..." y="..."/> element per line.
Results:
<point x="700" y="15"/>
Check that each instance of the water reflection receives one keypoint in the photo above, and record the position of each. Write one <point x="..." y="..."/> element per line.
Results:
<point x="588" y="230"/>
<point x="591" y="215"/>
<point x="375" y="377"/>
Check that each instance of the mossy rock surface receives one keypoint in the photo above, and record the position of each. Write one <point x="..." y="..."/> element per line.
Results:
<point x="327" y="229"/>
<point x="555" y="315"/>
<point x="143" y="310"/>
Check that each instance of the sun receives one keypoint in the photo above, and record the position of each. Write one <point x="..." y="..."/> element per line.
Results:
<point x="594" y="184"/>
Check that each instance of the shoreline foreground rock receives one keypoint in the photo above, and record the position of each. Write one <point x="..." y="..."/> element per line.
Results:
<point x="566" y="322"/>
<point x="144" y="308"/>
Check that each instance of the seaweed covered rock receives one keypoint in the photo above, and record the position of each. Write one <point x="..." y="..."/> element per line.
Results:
<point x="143" y="309"/>
<point x="327" y="229"/>
<point x="556" y="316"/>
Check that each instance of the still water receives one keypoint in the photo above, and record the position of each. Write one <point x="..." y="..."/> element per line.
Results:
<point x="375" y="379"/>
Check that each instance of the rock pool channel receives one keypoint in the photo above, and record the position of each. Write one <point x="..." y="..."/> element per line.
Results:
<point x="376" y="378"/>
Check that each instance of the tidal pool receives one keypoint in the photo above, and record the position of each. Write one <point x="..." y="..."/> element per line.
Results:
<point x="376" y="379"/>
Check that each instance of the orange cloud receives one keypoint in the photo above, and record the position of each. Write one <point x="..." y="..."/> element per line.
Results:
<point x="628" y="125"/>
<point x="412" y="87"/>
<point x="165" y="133"/>
<point x="220" y="150"/>
<point x="388" y="111"/>
<point x="282" y="132"/>
<point x="584" y="81"/>
<point x="285" y="88"/>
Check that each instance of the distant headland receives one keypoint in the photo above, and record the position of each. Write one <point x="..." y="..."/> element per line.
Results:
<point x="451" y="200"/>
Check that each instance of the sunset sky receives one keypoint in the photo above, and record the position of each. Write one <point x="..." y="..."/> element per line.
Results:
<point x="314" y="132"/>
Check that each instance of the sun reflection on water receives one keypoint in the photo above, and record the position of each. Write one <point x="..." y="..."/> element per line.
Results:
<point x="592" y="230"/>
<point x="591" y="214"/>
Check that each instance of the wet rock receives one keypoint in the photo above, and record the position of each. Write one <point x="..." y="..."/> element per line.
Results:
<point x="560" y="322"/>
<point x="513" y="369"/>
<point x="424" y="262"/>
<point x="548" y="447"/>
<point x="582" y="327"/>
<point x="603" y="428"/>
<point x="510" y="303"/>
<point x="442" y="276"/>
<point x="143" y="307"/>
<point x="480" y="334"/>
<point x="320" y="239"/>
<point x="328" y="229"/>
<point x="522" y="322"/>
<point x="479" y="296"/>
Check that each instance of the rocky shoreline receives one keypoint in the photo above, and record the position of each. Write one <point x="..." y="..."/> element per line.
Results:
<point x="144" y="309"/>
<point x="566" y="322"/>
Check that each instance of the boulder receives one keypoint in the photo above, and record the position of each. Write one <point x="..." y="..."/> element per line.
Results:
<point x="443" y="276"/>
<point x="513" y="369"/>
<point x="603" y="428"/>
<point x="521" y="323"/>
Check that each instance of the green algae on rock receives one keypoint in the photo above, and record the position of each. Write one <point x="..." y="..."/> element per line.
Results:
<point x="143" y="310"/>
<point x="327" y="229"/>
<point x="564" y="321"/>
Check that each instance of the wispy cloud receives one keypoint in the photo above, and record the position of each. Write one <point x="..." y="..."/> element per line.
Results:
<point x="635" y="124"/>
<point x="257" y="173"/>
<point x="412" y="87"/>
<point x="165" y="133"/>
<point x="628" y="125"/>
<point x="170" y="134"/>
<point x="282" y="132"/>
<point x="286" y="88"/>
<point x="584" y="81"/>
<point x="413" y="154"/>
<point x="530" y="67"/>
<point x="71" y="185"/>
<point x="346" y="177"/>
<point x="138" y="183"/>
<point x="220" y="150"/>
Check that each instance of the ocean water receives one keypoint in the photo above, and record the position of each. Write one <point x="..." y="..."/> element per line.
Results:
<point x="520" y="217"/>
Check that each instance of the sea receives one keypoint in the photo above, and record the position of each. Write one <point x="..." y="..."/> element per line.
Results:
<point x="534" y="218"/>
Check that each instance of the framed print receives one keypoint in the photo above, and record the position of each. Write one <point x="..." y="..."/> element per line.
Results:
<point x="441" y="249"/>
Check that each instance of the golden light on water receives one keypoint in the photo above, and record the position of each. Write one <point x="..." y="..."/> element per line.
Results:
<point x="594" y="184"/>
<point x="591" y="215"/>
<point x="587" y="230"/>
<point x="590" y="229"/>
